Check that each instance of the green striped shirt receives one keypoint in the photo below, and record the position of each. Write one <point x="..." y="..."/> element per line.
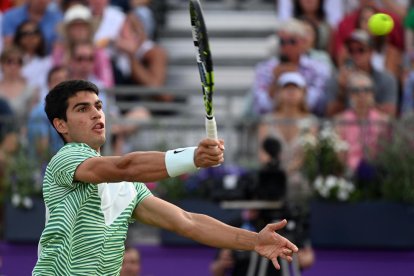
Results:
<point x="86" y="224"/>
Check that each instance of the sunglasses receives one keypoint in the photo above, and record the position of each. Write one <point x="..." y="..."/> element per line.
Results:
<point x="357" y="50"/>
<point x="81" y="58"/>
<point x="288" y="41"/>
<point x="361" y="89"/>
<point x="12" y="61"/>
<point x="29" y="32"/>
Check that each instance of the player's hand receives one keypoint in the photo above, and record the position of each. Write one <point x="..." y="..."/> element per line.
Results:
<point x="272" y="245"/>
<point x="210" y="152"/>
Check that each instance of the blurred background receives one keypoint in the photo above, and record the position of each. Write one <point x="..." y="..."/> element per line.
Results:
<point x="315" y="111"/>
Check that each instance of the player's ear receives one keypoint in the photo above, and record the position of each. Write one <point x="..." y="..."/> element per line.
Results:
<point x="60" y="125"/>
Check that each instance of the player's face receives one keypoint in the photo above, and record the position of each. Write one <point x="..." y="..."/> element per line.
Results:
<point x="85" y="120"/>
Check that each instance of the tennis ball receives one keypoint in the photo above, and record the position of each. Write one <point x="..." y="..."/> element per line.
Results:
<point x="380" y="24"/>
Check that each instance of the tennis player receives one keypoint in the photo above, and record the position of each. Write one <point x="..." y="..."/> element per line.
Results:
<point x="90" y="199"/>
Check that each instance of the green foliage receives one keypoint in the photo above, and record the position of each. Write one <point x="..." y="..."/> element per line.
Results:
<point x="22" y="179"/>
<point x="396" y="165"/>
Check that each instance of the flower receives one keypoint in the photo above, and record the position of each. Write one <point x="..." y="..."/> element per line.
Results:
<point x="321" y="153"/>
<point x="334" y="188"/>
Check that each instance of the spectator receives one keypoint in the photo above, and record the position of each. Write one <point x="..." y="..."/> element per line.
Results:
<point x="350" y="22"/>
<point x="311" y="50"/>
<point x="314" y="12"/>
<point x="36" y="63"/>
<point x="385" y="56"/>
<point x="332" y="8"/>
<point x="360" y="51"/>
<point x="287" y="123"/>
<point x="144" y="62"/>
<point x="33" y="10"/>
<point x="46" y="141"/>
<point x="109" y="20"/>
<point x="292" y="57"/>
<point x="14" y="87"/>
<point x="78" y="27"/>
<point x="362" y="125"/>
<point x="131" y="265"/>
<point x="141" y="9"/>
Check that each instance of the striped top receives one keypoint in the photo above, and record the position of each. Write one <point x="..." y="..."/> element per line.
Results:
<point x="86" y="224"/>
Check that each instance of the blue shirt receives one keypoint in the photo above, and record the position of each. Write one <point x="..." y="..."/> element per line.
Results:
<point x="48" y="24"/>
<point x="40" y="127"/>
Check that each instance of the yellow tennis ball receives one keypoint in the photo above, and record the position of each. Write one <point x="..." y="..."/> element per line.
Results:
<point x="380" y="24"/>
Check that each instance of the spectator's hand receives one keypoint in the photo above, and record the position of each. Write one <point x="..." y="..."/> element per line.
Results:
<point x="272" y="245"/>
<point x="283" y="68"/>
<point x="210" y="152"/>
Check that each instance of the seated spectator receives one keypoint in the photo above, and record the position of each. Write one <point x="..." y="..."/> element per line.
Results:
<point x="131" y="265"/>
<point x="34" y="10"/>
<point x="78" y="27"/>
<point x="360" y="51"/>
<point x="314" y="12"/>
<point x="141" y="60"/>
<point x="14" y="87"/>
<point x="351" y="21"/>
<point x="287" y="123"/>
<point x="385" y="55"/>
<point x="110" y="21"/>
<point x="142" y="9"/>
<point x="44" y="138"/>
<point x="362" y="124"/>
<point x="310" y="44"/>
<point x="36" y="64"/>
<point x="292" y="57"/>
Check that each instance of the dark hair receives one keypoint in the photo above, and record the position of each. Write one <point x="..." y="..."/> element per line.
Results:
<point x="298" y="11"/>
<point x="53" y="70"/>
<point x="41" y="48"/>
<point x="56" y="101"/>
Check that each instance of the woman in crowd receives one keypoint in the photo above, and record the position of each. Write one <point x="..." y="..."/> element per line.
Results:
<point x="361" y="125"/>
<point x="36" y="63"/>
<point x="13" y="86"/>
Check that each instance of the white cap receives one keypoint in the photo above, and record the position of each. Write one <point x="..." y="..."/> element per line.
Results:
<point x="77" y="12"/>
<point x="292" y="78"/>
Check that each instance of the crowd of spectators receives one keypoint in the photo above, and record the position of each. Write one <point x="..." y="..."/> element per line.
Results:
<point x="327" y="66"/>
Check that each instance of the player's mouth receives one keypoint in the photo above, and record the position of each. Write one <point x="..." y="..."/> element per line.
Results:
<point x="99" y="127"/>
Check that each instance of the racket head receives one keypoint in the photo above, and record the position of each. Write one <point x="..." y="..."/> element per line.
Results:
<point x="203" y="54"/>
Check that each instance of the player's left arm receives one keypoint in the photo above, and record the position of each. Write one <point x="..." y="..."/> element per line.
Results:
<point x="209" y="231"/>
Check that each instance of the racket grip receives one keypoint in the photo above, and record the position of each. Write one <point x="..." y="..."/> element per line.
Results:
<point x="211" y="128"/>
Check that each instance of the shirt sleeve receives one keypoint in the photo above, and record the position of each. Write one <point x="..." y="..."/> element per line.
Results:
<point x="67" y="160"/>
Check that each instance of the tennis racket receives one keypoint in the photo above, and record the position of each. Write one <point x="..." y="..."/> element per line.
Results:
<point x="205" y="64"/>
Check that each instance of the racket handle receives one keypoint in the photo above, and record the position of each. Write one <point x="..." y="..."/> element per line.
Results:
<point x="211" y="128"/>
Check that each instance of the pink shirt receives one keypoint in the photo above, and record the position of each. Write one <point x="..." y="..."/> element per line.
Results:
<point x="362" y="136"/>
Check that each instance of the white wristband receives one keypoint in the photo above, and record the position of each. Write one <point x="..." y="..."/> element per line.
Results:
<point x="180" y="161"/>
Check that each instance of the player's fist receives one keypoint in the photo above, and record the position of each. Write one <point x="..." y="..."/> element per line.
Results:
<point x="210" y="152"/>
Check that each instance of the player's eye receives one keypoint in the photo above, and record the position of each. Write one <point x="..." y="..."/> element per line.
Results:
<point x="83" y="109"/>
<point x="99" y="106"/>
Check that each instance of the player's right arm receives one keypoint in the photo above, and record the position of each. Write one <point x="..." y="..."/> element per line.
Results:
<point x="143" y="166"/>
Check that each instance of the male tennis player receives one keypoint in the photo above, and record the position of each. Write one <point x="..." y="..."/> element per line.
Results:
<point x="90" y="199"/>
